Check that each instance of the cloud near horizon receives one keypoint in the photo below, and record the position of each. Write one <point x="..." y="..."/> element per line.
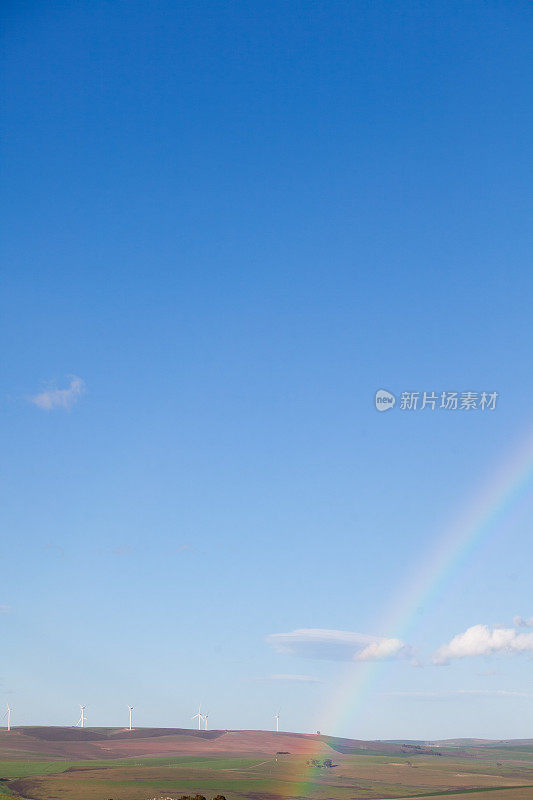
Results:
<point x="480" y="640"/>
<point x="333" y="645"/>
<point x="60" y="398"/>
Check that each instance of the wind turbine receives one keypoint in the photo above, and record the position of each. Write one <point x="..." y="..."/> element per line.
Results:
<point x="205" y="721"/>
<point x="8" y="715"/>
<point x="81" y="721"/>
<point x="131" y="717"/>
<point x="276" y="716"/>
<point x="200" y="717"/>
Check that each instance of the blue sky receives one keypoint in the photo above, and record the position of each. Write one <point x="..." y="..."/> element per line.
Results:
<point x="225" y="226"/>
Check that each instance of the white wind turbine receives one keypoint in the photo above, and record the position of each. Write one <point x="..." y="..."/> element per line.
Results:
<point x="8" y="715"/>
<point x="276" y="716"/>
<point x="81" y="721"/>
<point x="131" y="717"/>
<point x="200" y="717"/>
<point x="205" y="721"/>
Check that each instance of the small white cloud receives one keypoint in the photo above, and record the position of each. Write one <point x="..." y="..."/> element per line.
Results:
<point x="291" y="678"/>
<point x="380" y="648"/>
<point x="336" y="645"/>
<point x="5" y="609"/>
<point x="520" y="622"/>
<point x="480" y="640"/>
<point x="59" y="398"/>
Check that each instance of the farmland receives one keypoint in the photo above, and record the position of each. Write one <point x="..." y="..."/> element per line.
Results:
<point x="98" y="764"/>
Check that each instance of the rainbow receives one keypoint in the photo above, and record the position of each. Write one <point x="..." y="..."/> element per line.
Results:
<point x="454" y="547"/>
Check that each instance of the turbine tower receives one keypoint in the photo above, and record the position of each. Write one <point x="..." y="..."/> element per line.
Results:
<point x="200" y="717"/>
<point x="131" y="717"/>
<point x="81" y="721"/>
<point x="8" y="715"/>
<point x="276" y="716"/>
<point x="205" y="721"/>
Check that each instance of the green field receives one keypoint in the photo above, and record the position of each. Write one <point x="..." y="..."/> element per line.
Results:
<point x="354" y="776"/>
<point x="248" y="767"/>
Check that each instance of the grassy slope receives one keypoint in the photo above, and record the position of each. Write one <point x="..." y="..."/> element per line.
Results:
<point x="491" y="772"/>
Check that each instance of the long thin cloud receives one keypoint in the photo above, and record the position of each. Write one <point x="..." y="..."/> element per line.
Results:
<point x="290" y="678"/>
<point x="321" y="643"/>
<point x="460" y="693"/>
